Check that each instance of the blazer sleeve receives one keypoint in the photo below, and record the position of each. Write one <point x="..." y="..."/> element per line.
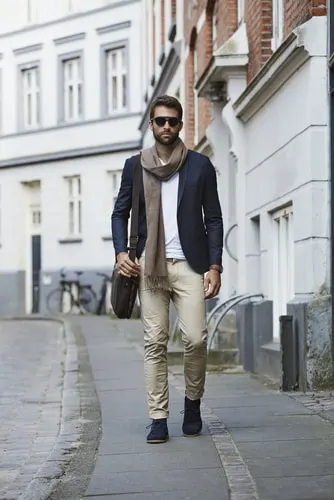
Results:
<point x="122" y="208"/>
<point x="213" y="216"/>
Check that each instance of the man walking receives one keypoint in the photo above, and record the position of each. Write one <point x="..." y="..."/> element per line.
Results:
<point x="179" y="258"/>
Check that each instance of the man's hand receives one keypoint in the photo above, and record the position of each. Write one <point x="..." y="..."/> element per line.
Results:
<point x="212" y="283"/>
<point x="126" y="266"/>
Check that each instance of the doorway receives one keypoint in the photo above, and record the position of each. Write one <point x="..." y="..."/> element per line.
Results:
<point x="33" y="245"/>
<point x="36" y="261"/>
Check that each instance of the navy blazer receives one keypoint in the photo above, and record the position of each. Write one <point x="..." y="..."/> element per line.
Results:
<point x="199" y="213"/>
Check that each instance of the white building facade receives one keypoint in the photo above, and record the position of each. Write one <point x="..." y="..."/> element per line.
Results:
<point x="265" y="89"/>
<point x="271" y="138"/>
<point x="70" y="107"/>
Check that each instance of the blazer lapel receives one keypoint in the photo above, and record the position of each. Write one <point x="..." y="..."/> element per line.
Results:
<point x="182" y="181"/>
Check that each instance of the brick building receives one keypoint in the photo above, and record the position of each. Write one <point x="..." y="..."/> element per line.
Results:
<point x="252" y="76"/>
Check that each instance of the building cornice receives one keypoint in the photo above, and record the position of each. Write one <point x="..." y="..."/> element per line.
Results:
<point x="280" y="67"/>
<point x="305" y="41"/>
<point x="35" y="27"/>
<point x="113" y="27"/>
<point x="70" y="38"/>
<point x="70" y="154"/>
<point x="29" y="48"/>
<point x="231" y="56"/>
<point x="69" y="125"/>
<point x="168" y="71"/>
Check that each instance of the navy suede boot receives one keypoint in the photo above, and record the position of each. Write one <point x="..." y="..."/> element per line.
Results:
<point x="192" y="421"/>
<point x="159" y="431"/>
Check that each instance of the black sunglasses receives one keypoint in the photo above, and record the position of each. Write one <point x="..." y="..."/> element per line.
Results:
<point x="161" y="120"/>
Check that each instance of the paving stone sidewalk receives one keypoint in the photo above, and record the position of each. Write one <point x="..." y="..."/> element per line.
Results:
<point x="31" y="355"/>
<point x="126" y="467"/>
<point x="258" y="444"/>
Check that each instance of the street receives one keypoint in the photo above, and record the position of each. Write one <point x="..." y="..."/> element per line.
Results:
<point x="31" y="356"/>
<point x="74" y="420"/>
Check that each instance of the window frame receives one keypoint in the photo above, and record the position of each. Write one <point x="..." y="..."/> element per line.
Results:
<point x="21" y="69"/>
<point x="72" y="6"/>
<point x="104" y="50"/>
<point x="112" y="176"/>
<point x="282" y="263"/>
<point x="31" y="12"/>
<point x="241" y="10"/>
<point x="215" y="26"/>
<point x="277" y="24"/>
<point x="62" y="59"/>
<point x="74" y="198"/>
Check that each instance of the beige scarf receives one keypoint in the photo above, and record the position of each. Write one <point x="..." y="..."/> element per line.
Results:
<point x="153" y="174"/>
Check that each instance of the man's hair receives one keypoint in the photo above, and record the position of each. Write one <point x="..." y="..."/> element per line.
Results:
<point x="168" y="102"/>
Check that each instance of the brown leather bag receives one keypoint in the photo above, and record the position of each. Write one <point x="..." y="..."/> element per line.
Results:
<point x="124" y="290"/>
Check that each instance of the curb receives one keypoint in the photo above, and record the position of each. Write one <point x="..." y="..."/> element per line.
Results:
<point x="53" y="479"/>
<point x="241" y="485"/>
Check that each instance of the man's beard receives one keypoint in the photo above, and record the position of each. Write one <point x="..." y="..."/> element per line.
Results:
<point x="173" y="137"/>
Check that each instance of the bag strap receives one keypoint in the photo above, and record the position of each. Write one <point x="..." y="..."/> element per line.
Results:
<point x="133" y="241"/>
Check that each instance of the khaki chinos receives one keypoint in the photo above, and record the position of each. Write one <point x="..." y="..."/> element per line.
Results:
<point x="187" y="293"/>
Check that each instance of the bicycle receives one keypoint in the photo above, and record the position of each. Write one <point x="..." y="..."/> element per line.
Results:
<point x="71" y="294"/>
<point x="102" y="307"/>
<point x="101" y="304"/>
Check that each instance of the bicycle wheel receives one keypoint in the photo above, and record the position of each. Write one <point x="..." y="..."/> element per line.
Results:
<point x="88" y="300"/>
<point x="59" y="301"/>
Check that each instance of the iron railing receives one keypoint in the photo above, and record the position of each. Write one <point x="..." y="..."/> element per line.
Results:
<point x="230" y="303"/>
<point x="237" y="300"/>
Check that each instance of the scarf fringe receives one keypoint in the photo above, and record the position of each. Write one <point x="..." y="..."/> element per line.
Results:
<point x="156" y="283"/>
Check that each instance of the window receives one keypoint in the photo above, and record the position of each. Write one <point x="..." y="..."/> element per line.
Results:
<point x="74" y="205"/>
<point x="116" y="78"/>
<point x="215" y="26"/>
<point x="72" y="89"/>
<point x="115" y="181"/>
<point x="283" y="263"/>
<point x="31" y="11"/>
<point x="278" y="23"/>
<point x="72" y="6"/>
<point x="241" y="10"/>
<point x="30" y="97"/>
<point x="36" y="218"/>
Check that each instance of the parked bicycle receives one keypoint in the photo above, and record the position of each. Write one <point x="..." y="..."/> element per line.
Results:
<point x="101" y="304"/>
<point x="71" y="296"/>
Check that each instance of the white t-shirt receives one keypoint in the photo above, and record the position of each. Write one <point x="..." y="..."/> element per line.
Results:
<point x="169" y="201"/>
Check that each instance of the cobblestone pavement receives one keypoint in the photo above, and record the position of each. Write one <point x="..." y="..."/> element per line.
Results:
<point x="31" y="360"/>
<point x="320" y="402"/>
